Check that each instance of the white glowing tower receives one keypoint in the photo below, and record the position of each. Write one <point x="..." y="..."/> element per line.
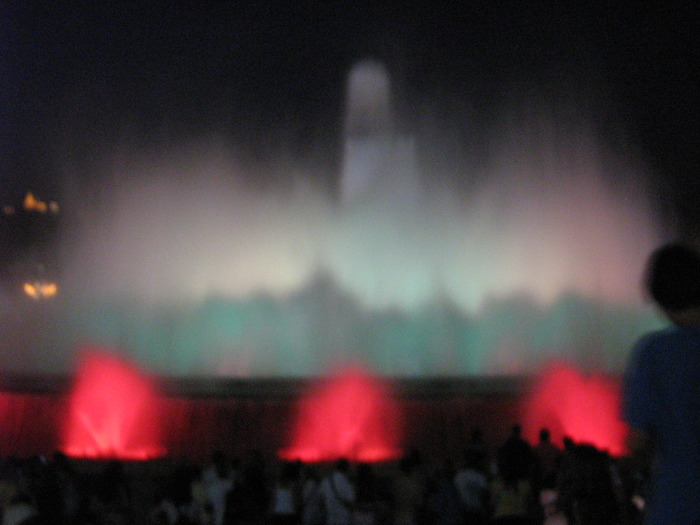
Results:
<point x="377" y="164"/>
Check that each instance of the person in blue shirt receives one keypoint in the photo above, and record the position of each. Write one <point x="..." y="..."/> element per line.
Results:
<point x="661" y="395"/>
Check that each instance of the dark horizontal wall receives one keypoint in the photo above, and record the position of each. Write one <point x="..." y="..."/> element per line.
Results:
<point x="238" y="416"/>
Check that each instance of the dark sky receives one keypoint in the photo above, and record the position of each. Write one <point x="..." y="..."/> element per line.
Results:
<point x="75" y="75"/>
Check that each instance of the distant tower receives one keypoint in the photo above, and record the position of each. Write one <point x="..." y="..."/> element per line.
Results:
<point x="376" y="163"/>
<point x="368" y="111"/>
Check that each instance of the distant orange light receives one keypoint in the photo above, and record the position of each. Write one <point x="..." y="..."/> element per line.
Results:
<point x="39" y="290"/>
<point x="31" y="203"/>
<point x="31" y="290"/>
<point x="49" y="289"/>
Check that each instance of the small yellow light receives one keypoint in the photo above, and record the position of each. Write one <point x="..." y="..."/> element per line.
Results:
<point x="48" y="290"/>
<point x="39" y="290"/>
<point x="31" y="291"/>
<point x="31" y="203"/>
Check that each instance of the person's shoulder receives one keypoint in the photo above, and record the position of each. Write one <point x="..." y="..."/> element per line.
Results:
<point x="657" y="338"/>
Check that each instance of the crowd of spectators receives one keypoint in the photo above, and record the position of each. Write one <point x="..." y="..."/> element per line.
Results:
<point x="514" y="482"/>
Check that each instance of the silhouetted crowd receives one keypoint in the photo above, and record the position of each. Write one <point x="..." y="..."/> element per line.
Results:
<point x="514" y="483"/>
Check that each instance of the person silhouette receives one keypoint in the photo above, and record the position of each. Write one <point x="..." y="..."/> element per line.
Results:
<point x="661" y="393"/>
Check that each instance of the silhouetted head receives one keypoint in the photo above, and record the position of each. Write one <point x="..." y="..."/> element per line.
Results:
<point x="289" y="473"/>
<point x="569" y="443"/>
<point x="673" y="277"/>
<point x="61" y="461"/>
<point x="544" y="434"/>
<point x="365" y="472"/>
<point x="342" y="465"/>
<point x="218" y="456"/>
<point x="473" y="460"/>
<point x="310" y="472"/>
<point x="220" y="462"/>
<point x="406" y="465"/>
<point x="416" y="457"/>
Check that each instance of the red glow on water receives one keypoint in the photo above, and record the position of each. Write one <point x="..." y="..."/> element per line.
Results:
<point x="350" y="415"/>
<point x="113" y="412"/>
<point x="587" y="409"/>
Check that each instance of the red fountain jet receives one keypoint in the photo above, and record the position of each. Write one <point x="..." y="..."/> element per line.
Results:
<point x="113" y="412"/>
<point x="349" y="415"/>
<point x="586" y="409"/>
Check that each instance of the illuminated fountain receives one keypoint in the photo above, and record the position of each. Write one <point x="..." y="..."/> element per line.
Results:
<point x="114" y="411"/>
<point x="586" y="409"/>
<point x="178" y="260"/>
<point x="347" y="415"/>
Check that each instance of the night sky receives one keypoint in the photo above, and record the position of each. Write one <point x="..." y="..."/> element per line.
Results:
<point x="78" y="76"/>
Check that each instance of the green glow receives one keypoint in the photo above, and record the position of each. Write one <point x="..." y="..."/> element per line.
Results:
<point x="320" y="328"/>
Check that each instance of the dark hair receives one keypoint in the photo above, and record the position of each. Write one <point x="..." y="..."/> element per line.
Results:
<point x="289" y="472"/>
<point x="342" y="464"/>
<point x="673" y="277"/>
